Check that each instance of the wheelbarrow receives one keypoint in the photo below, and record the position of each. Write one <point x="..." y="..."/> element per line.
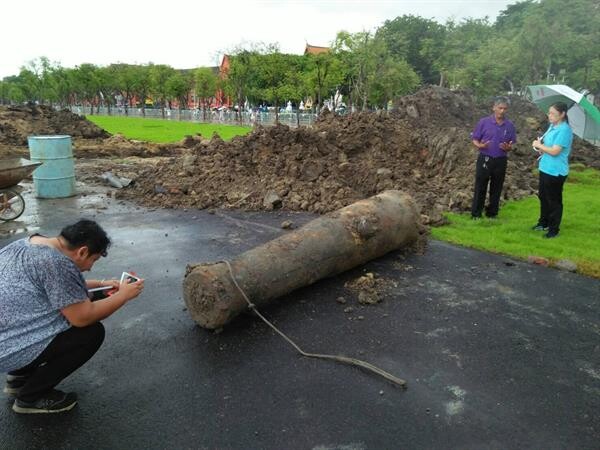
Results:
<point x="12" y="172"/>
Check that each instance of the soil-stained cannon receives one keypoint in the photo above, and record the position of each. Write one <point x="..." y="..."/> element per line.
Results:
<point x="322" y="248"/>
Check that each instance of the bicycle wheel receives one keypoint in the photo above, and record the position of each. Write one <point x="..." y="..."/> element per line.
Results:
<point x="12" y="205"/>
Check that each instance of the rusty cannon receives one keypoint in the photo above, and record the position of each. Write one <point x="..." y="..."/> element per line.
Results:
<point x="322" y="248"/>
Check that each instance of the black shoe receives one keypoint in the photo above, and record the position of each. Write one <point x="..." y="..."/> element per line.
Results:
<point x="475" y="217"/>
<point x="539" y="227"/>
<point x="551" y="234"/>
<point x="14" y="383"/>
<point x="54" y="401"/>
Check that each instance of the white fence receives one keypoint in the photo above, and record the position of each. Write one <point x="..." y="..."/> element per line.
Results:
<point x="195" y="115"/>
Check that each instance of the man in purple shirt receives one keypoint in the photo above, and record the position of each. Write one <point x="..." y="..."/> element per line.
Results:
<point x="494" y="137"/>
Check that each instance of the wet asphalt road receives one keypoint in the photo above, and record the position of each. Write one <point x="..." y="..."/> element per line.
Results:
<point x="498" y="354"/>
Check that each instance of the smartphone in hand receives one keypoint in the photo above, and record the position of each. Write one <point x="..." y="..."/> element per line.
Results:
<point x="129" y="277"/>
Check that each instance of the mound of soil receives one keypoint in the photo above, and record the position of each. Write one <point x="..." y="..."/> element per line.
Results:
<point x="423" y="148"/>
<point x="89" y="140"/>
<point x="18" y="122"/>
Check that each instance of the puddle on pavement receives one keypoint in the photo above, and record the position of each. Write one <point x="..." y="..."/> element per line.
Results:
<point x="89" y="200"/>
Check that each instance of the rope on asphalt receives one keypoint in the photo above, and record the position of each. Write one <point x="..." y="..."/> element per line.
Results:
<point x="343" y="359"/>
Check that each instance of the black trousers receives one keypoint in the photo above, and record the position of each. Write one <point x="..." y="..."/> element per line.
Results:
<point x="67" y="352"/>
<point x="488" y="170"/>
<point x="551" y="206"/>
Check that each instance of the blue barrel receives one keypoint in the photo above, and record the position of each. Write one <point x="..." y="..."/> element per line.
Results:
<point x="56" y="177"/>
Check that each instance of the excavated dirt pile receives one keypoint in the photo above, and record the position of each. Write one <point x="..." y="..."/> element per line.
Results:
<point x="89" y="140"/>
<point x="18" y="122"/>
<point x="423" y="148"/>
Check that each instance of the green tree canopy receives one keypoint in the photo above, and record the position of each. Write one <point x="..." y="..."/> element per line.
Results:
<point x="205" y="87"/>
<point x="417" y="40"/>
<point x="530" y="42"/>
<point x="325" y="72"/>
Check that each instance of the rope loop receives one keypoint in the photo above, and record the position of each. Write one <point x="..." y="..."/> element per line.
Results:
<point x="343" y="359"/>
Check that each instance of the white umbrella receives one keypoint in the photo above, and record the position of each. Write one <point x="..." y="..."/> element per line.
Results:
<point x="584" y="117"/>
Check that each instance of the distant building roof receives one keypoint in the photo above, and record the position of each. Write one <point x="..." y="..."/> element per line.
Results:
<point x="314" y="50"/>
<point x="224" y="67"/>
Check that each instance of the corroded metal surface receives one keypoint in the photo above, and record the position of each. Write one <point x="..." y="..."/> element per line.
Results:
<point x="322" y="248"/>
<point x="12" y="171"/>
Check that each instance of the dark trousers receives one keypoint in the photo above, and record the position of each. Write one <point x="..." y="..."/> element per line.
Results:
<point x="492" y="171"/>
<point x="551" y="205"/>
<point x="67" y="352"/>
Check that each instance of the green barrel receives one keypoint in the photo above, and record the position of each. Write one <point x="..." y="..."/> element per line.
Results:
<point x="56" y="177"/>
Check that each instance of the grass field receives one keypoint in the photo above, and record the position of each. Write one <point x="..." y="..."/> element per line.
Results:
<point x="158" y="130"/>
<point x="511" y="233"/>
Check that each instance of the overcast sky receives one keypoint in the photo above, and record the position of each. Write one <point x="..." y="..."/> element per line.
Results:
<point x="192" y="33"/>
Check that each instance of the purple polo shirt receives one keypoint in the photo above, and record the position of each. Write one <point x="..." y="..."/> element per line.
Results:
<point x="488" y="130"/>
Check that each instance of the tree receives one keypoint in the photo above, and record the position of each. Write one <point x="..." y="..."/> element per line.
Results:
<point x="86" y="84"/>
<point x="363" y="55"/>
<point x="513" y="17"/>
<point x="4" y="92"/>
<point x="417" y="40"/>
<point x="142" y="85"/>
<point x="35" y="80"/>
<point x="578" y="38"/>
<point x="178" y="86"/>
<point x="28" y="85"/>
<point x="273" y="71"/>
<point x="462" y="39"/>
<point x="106" y="86"/>
<point x="238" y="76"/>
<point x="9" y="91"/>
<point x="296" y="87"/>
<point x="324" y="73"/>
<point x="63" y="85"/>
<point x="394" y="78"/>
<point x="124" y="81"/>
<point x="594" y="75"/>
<point x="561" y="51"/>
<point x="351" y="49"/>
<point x="159" y="75"/>
<point x="488" y="70"/>
<point x="205" y="86"/>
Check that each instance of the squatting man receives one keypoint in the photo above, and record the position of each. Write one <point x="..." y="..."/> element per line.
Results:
<point x="49" y="325"/>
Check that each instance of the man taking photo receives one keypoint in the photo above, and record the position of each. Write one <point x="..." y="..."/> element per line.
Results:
<point x="49" y="327"/>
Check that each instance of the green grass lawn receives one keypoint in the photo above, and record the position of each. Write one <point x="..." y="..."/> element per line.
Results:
<point x="158" y="130"/>
<point x="511" y="234"/>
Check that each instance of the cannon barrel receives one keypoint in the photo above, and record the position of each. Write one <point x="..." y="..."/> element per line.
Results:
<point x="324" y="247"/>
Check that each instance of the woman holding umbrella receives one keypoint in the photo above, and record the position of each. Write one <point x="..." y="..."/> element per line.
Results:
<point x="554" y="147"/>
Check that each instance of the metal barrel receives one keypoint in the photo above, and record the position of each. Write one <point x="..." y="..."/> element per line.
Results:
<point x="56" y="177"/>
